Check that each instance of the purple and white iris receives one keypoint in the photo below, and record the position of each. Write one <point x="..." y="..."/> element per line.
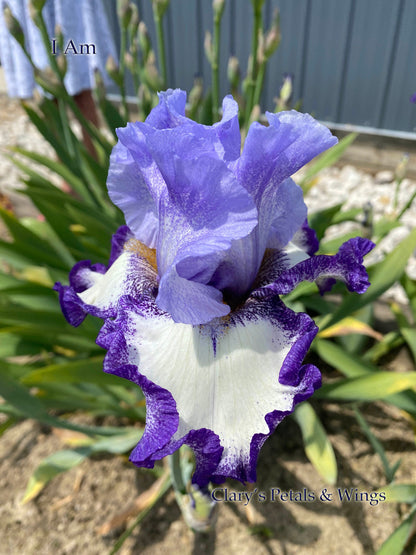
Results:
<point x="190" y="297"/>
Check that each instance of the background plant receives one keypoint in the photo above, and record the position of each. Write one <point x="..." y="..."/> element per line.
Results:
<point x="49" y="370"/>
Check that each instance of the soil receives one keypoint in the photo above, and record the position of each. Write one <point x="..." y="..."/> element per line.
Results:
<point x="64" y="519"/>
<point x="66" y="516"/>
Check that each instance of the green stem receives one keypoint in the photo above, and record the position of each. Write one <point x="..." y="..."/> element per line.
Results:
<point x="259" y="83"/>
<point x="122" y="85"/>
<point x="176" y="473"/>
<point x="215" y="67"/>
<point x="254" y="47"/>
<point x="160" y="44"/>
<point x="406" y="206"/>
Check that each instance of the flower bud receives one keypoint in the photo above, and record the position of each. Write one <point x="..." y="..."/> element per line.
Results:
<point x="124" y="13"/>
<point x="59" y="36"/>
<point x="13" y="26"/>
<point x="62" y="64"/>
<point x="144" y="40"/>
<point x="99" y="84"/>
<point x="113" y="71"/>
<point x="208" y="47"/>
<point x="401" y="168"/>
<point x="260" y="48"/>
<point x="233" y="72"/>
<point x="195" y="94"/>
<point x="199" y="510"/>
<point x="160" y="7"/>
<point x="151" y="74"/>
<point x="134" y="21"/>
<point x="218" y="8"/>
<point x="273" y="36"/>
<point x="129" y="61"/>
<point x="287" y="88"/>
<point x="38" y="4"/>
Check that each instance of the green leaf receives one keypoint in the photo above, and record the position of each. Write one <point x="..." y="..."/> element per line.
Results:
<point x="389" y="471"/>
<point x="60" y="169"/>
<point x="318" y="448"/>
<point x="69" y="458"/>
<point x="409" y="285"/>
<point x="400" y="493"/>
<point x="80" y="371"/>
<point x="51" y="467"/>
<point x="368" y="388"/>
<point x="320" y="221"/>
<point x="395" y="543"/>
<point x="36" y="249"/>
<point x="350" y="365"/>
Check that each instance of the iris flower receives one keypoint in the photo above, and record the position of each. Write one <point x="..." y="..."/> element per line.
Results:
<point x="190" y="297"/>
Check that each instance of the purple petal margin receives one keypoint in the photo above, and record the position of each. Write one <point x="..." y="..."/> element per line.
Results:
<point x="346" y="265"/>
<point x="162" y="418"/>
<point x="292" y="373"/>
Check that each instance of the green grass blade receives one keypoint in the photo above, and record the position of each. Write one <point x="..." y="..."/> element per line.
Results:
<point x="395" y="543"/>
<point x="318" y="448"/>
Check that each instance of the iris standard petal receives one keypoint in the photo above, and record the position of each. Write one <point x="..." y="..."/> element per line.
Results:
<point x="203" y="211"/>
<point x="276" y="152"/>
<point x="233" y="379"/>
<point x="170" y="111"/>
<point x="134" y="184"/>
<point x="281" y="213"/>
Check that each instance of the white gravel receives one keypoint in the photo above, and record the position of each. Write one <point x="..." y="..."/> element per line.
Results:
<point x="334" y="185"/>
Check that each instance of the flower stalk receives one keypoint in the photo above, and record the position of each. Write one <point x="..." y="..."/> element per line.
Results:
<point x="218" y="9"/>
<point x="159" y="9"/>
<point x="253" y="67"/>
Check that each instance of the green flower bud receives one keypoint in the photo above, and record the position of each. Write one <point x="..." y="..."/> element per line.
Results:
<point x="273" y="36"/>
<point x="195" y="94"/>
<point x="144" y="40"/>
<point x="113" y="71"/>
<point x="13" y="26"/>
<point x="218" y="8"/>
<point x="151" y="74"/>
<point x="287" y="88"/>
<point x="124" y="13"/>
<point x="160" y="7"/>
<point x="59" y="36"/>
<point x="99" y="84"/>
<point x="208" y="47"/>
<point x="38" y="4"/>
<point x="233" y="72"/>
<point x="134" y="21"/>
<point x="62" y="63"/>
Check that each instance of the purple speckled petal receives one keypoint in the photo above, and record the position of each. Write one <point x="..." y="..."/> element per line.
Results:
<point x="201" y="214"/>
<point x="281" y="213"/>
<point x="170" y="112"/>
<point x="135" y="184"/>
<point x="96" y="290"/>
<point x="278" y="151"/>
<point x="346" y="265"/>
<point x="305" y="238"/>
<point x="205" y="375"/>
